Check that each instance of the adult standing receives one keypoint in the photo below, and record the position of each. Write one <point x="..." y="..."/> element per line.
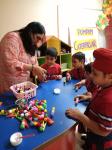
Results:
<point x="17" y="55"/>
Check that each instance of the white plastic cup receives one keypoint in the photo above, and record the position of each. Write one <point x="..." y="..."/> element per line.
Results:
<point x="15" y="139"/>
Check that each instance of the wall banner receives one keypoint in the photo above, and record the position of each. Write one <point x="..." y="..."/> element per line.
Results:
<point x="86" y="39"/>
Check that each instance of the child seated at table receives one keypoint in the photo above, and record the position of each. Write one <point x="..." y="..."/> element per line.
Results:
<point x="97" y="119"/>
<point x="53" y="68"/>
<point x="91" y="87"/>
<point x="78" y="61"/>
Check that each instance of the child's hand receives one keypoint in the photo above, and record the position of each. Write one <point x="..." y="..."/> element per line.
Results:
<point x="55" y="77"/>
<point x="79" y="84"/>
<point x="73" y="113"/>
<point x="40" y="72"/>
<point x="59" y="77"/>
<point x="86" y="96"/>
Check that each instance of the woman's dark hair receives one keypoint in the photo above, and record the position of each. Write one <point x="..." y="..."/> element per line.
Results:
<point x="35" y="28"/>
<point x="51" y="51"/>
<point x="88" y="67"/>
<point x="80" y="56"/>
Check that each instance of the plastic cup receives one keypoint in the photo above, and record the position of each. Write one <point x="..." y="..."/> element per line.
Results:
<point x="15" y="139"/>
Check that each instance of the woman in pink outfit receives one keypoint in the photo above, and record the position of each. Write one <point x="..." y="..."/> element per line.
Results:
<point x="17" y="55"/>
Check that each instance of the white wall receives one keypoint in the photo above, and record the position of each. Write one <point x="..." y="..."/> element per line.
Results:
<point x="14" y="14"/>
<point x="76" y="14"/>
<point x="80" y="14"/>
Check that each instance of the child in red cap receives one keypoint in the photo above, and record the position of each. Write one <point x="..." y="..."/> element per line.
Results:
<point x="98" y="116"/>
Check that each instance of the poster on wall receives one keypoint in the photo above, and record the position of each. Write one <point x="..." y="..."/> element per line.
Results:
<point x="86" y="40"/>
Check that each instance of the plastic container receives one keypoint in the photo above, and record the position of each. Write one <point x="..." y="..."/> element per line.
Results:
<point x="25" y="90"/>
<point x="15" y="138"/>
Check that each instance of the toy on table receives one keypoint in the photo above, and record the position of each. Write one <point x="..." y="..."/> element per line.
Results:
<point x="68" y="77"/>
<point x="78" y="85"/>
<point x="57" y="91"/>
<point x="27" y="136"/>
<point x="16" y="139"/>
<point x="49" y="121"/>
<point x="3" y="112"/>
<point x="64" y="82"/>
<point x="33" y="113"/>
<point x="22" y="89"/>
<point x="24" y="124"/>
<point x="52" y="112"/>
<point x="43" y="126"/>
<point x="76" y="101"/>
<point x="76" y="88"/>
<point x="21" y="103"/>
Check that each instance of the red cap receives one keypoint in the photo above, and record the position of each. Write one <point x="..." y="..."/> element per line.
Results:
<point x="103" y="60"/>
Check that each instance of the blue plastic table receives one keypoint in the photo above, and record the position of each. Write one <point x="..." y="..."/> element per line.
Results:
<point x="61" y="102"/>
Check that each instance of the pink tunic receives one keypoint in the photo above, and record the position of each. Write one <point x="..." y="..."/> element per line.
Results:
<point x="12" y="59"/>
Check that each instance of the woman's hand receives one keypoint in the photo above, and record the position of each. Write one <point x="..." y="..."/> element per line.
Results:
<point x="40" y="72"/>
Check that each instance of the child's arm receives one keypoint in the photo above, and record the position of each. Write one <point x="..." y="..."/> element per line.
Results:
<point x="90" y="124"/>
<point x="81" y="83"/>
<point x="58" y="76"/>
<point x="55" y="77"/>
<point x="85" y="96"/>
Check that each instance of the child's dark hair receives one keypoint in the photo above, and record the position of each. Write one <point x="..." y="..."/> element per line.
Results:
<point x="51" y="51"/>
<point x="88" y="67"/>
<point x="80" y="56"/>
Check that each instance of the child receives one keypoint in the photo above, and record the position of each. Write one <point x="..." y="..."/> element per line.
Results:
<point x="53" y="69"/>
<point x="78" y="60"/>
<point x="91" y="87"/>
<point x="98" y="115"/>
